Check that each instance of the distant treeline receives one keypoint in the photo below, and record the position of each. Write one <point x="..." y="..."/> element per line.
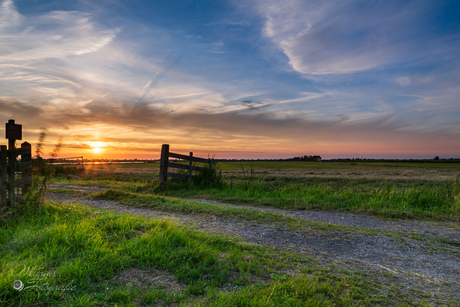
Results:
<point x="299" y="159"/>
<point x="318" y="158"/>
<point x="450" y="160"/>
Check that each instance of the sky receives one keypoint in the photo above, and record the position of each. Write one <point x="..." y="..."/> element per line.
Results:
<point x="233" y="79"/>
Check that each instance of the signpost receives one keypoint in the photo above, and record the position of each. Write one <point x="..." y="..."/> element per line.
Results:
<point x="13" y="131"/>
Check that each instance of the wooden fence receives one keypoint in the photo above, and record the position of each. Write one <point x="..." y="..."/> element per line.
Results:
<point x="15" y="175"/>
<point x="165" y="164"/>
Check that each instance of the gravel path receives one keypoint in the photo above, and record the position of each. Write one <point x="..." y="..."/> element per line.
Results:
<point x="448" y="230"/>
<point x="427" y="265"/>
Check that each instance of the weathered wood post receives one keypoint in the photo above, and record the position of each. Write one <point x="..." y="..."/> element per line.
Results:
<point x="164" y="162"/>
<point x="190" y="167"/>
<point x="26" y="167"/>
<point x="3" y="167"/>
<point x="13" y="133"/>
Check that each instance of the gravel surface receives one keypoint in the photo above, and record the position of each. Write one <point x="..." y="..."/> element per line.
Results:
<point x="426" y="265"/>
<point x="421" y="227"/>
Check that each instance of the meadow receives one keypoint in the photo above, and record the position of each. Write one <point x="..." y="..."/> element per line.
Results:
<point x="388" y="190"/>
<point x="84" y="252"/>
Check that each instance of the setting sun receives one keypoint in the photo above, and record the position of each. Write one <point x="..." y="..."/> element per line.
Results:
<point x="97" y="147"/>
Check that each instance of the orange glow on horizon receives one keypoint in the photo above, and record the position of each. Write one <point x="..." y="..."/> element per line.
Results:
<point x="114" y="142"/>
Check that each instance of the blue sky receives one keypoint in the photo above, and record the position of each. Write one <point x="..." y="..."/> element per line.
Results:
<point x="257" y="79"/>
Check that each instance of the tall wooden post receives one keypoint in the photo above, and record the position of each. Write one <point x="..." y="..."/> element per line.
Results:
<point x="164" y="162"/>
<point x="3" y="167"/>
<point x="13" y="133"/>
<point x="11" y="170"/>
<point x="26" y="167"/>
<point x="190" y="166"/>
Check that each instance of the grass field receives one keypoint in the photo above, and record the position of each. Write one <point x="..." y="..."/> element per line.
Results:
<point x="72" y="255"/>
<point x="415" y="190"/>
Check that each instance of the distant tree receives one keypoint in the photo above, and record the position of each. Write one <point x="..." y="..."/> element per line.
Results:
<point x="436" y="158"/>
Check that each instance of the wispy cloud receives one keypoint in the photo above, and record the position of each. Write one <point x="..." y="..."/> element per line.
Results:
<point x="341" y="37"/>
<point x="403" y="81"/>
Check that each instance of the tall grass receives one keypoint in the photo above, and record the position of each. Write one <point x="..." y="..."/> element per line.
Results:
<point x="210" y="176"/>
<point x="391" y="199"/>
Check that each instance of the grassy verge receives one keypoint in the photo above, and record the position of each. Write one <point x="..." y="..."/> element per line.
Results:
<point x="389" y="199"/>
<point x="80" y="248"/>
<point x="399" y="199"/>
<point x="177" y="205"/>
<point x="73" y="256"/>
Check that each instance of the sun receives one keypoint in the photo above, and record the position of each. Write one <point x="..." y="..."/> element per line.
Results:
<point x="97" y="147"/>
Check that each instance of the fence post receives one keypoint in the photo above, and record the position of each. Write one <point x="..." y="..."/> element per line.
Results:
<point x="11" y="171"/>
<point x="190" y="166"/>
<point x="164" y="162"/>
<point x="26" y="167"/>
<point x="3" y="167"/>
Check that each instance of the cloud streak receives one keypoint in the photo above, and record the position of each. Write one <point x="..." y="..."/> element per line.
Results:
<point x="342" y="37"/>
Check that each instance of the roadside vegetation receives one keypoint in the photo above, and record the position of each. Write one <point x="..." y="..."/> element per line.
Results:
<point x="391" y="198"/>
<point x="70" y="255"/>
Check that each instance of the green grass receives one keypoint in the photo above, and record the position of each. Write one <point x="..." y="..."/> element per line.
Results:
<point x="83" y="250"/>
<point x="250" y="183"/>
<point x="331" y="165"/>
<point x="326" y="165"/>
<point x="177" y="205"/>
<point x="399" y="199"/>
<point x="387" y="198"/>
<point x="303" y="291"/>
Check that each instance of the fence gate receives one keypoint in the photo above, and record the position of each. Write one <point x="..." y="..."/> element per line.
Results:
<point x="15" y="174"/>
<point x="165" y="164"/>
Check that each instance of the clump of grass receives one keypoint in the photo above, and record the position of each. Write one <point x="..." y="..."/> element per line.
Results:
<point x="210" y="176"/>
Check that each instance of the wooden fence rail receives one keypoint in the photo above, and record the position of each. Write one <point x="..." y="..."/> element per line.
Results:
<point x="165" y="164"/>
